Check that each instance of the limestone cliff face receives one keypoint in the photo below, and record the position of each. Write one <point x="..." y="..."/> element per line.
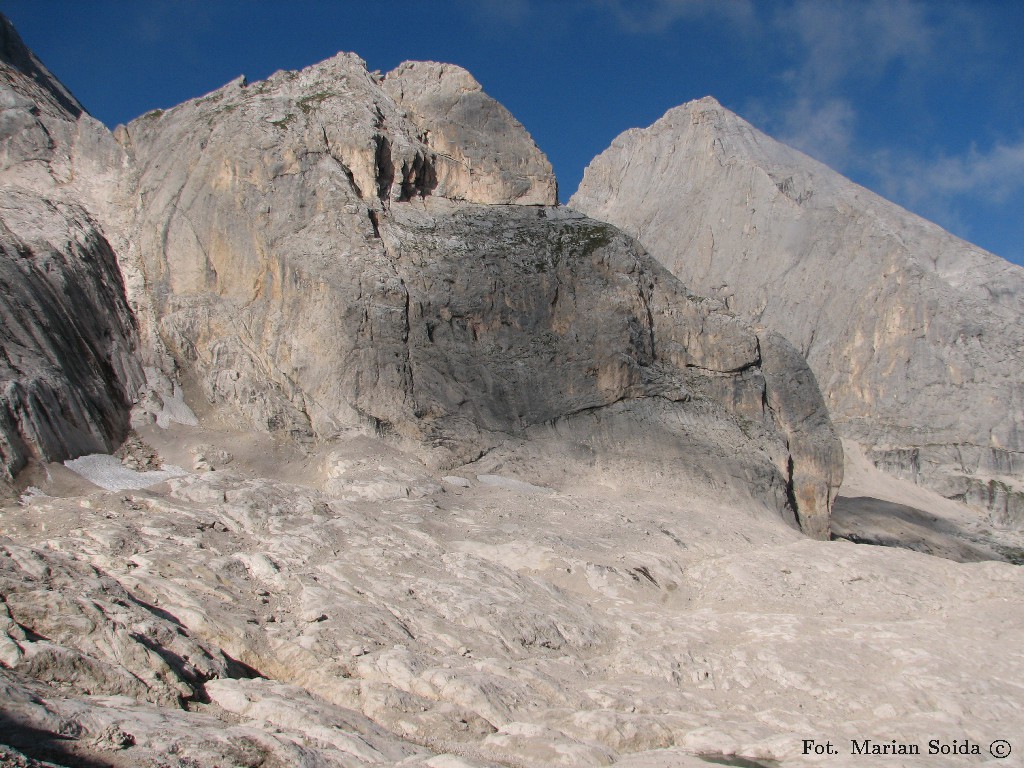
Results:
<point x="595" y="590"/>
<point x="913" y="334"/>
<point x="68" y="372"/>
<point x="320" y="258"/>
<point x="332" y="250"/>
<point x="488" y="156"/>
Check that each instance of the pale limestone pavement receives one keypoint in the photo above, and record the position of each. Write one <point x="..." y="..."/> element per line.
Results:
<point x="347" y="608"/>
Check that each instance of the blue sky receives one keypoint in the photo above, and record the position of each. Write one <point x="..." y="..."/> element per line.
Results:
<point x="920" y="100"/>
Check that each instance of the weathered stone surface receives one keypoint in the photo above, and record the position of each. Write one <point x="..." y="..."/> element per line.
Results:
<point x="68" y="372"/>
<point x="492" y="158"/>
<point x="66" y="623"/>
<point x="913" y="334"/>
<point x="303" y="266"/>
<point x="67" y="336"/>
<point x="580" y="606"/>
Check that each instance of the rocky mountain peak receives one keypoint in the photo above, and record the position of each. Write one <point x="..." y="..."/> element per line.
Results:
<point x="423" y="129"/>
<point x="474" y="479"/>
<point x="706" y="111"/>
<point x="410" y="214"/>
<point x="704" y="104"/>
<point x="492" y="157"/>
<point x="416" y="74"/>
<point x="886" y="306"/>
<point x="392" y="211"/>
<point x="38" y="84"/>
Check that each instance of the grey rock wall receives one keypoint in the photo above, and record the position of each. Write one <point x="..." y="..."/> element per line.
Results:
<point x="913" y="334"/>
<point x="317" y="266"/>
<point x="68" y="369"/>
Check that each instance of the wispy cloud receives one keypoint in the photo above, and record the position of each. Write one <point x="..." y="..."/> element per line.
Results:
<point x="656" y="16"/>
<point x="993" y="175"/>
<point x="824" y="129"/>
<point x="977" y="194"/>
<point x="838" y="47"/>
<point x="844" y="39"/>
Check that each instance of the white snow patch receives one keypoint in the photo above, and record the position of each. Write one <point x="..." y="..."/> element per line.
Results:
<point x="176" y="411"/>
<point x="31" y="493"/>
<point x="171" y="400"/>
<point x="109" y="473"/>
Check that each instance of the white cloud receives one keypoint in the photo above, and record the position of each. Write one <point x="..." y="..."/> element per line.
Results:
<point x="992" y="175"/>
<point x="658" y="15"/>
<point x="836" y="45"/>
<point x="843" y="39"/>
<point x="822" y="129"/>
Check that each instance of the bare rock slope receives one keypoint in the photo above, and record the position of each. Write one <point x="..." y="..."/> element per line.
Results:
<point x="68" y="373"/>
<point x="319" y="259"/>
<point x="486" y="154"/>
<point x="608" y="582"/>
<point x="354" y="608"/>
<point x="913" y="334"/>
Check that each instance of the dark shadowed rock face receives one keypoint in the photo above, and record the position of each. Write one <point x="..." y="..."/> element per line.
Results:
<point x="913" y="334"/>
<point x="517" y="318"/>
<point x="65" y="334"/>
<point x="68" y="371"/>
<point x="319" y="266"/>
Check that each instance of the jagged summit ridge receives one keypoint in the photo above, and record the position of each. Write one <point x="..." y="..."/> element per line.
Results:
<point x="424" y="128"/>
<point x="913" y="334"/>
